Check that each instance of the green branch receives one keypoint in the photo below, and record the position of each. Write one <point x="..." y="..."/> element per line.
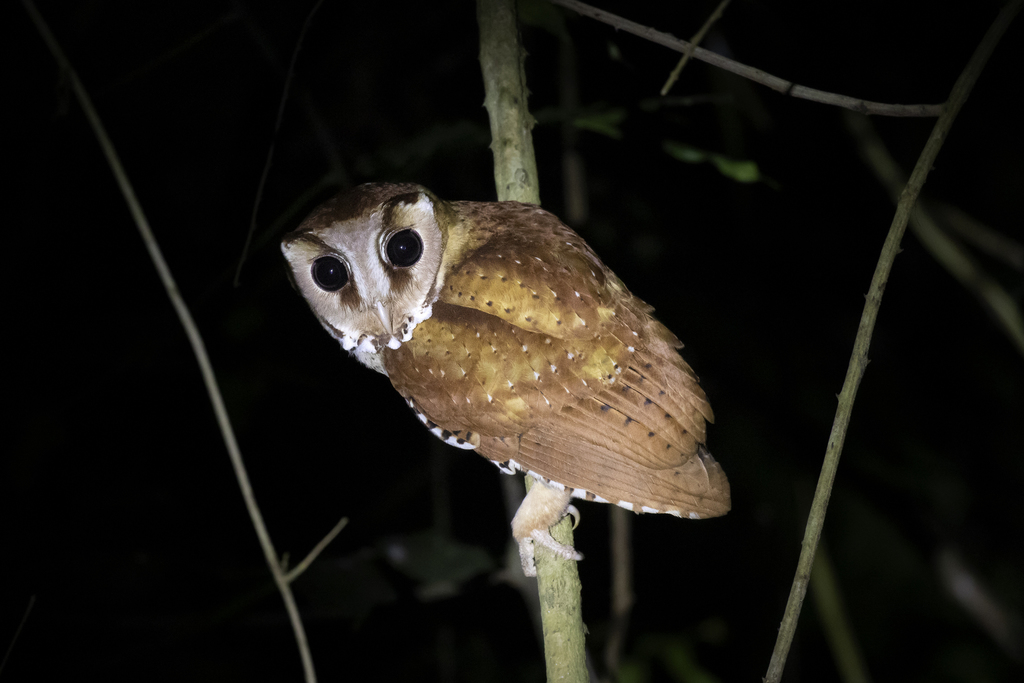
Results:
<point x="859" y="358"/>
<point x="515" y="176"/>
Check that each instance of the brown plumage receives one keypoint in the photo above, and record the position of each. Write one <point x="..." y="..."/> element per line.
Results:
<point x="509" y="336"/>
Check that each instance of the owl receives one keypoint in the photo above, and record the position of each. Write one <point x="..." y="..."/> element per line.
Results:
<point x="505" y="334"/>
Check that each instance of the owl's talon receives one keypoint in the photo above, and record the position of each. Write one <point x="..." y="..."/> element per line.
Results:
<point x="526" y="557"/>
<point x="543" y="537"/>
<point x="575" y="514"/>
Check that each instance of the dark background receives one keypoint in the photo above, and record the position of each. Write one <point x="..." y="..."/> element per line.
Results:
<point x="121" y="513"/>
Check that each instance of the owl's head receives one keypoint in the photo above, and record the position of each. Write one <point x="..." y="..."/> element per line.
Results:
<point x="368" y="263"/>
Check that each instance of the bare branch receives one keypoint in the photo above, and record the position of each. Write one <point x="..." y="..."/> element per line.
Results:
<point x="14" y="638"/>
<point x="749" y="72"/>
<point x="317" y="549"/>
<point x="694" y="42"/>
<point x="191" y="331"/>
<point x="943" y="247"/>
<point x="971" y="230"/>
<point x="515" y="174"/>
<point x="273" y="139"/>
<point x="859" y="357"/>
<point x="620" y="532"/>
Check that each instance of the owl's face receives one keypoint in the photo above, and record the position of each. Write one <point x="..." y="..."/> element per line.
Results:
<point x="369" y="264"/>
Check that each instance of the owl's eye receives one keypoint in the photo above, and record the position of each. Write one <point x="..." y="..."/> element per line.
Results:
<point x="404" y="248"/>
<point x="329" y="273"/>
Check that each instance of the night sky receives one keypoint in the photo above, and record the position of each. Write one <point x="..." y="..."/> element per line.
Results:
<point x="121" y="512"/>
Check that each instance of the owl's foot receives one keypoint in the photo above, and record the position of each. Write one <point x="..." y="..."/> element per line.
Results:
<point x="543" y="507"/>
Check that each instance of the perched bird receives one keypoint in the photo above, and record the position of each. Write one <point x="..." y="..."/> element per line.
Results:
<point x="507" y="335"/>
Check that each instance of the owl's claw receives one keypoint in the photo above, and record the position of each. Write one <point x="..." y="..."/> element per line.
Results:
<point x="544" y="538"/>
<point x="575" y="514"/>
<point x="542" y="508"/>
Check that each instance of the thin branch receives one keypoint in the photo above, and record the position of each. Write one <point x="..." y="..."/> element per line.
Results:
<point x="944" y="248"/>
<point x="694" y="42"/>
<point x="317" y="549"/>
<point x="14" y="638"/>
<point x="515" y="174"/>
<point x="621" y="535"/>
<point x="859" y="357"/>
<point x="749" y="72"/>
<point x="192" y="332"/>
<point x="971" y="230"/>
<point x="273" y="141"/>
<point x="501" y="61"/>
<point x="835" y="623"/>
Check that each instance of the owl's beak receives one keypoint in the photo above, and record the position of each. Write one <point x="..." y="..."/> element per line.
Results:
<point x="385" y="319"/>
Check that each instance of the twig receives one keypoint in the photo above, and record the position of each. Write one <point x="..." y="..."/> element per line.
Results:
<point x="943" y="248"/>
<point x="835" y="623"/>
<point x="191" y="331"/>
<point x="561" y="607"/>
<point x="694" y="42"/>
<point x="317" y="549"/>
<point x="14" y="638"/>
<point x="859" y="357"/>
<point x="515" y="173"/>
<point x="620" y="532"/>
<point x="501" y="60"/>
<point x="749" y="72"/>
<point x="273" y="140"/>
<point x="971" y="230"/>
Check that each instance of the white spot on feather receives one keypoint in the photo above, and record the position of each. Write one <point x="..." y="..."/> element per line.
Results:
<point x="554" y="369"/>
<point x="536" y="375"/>
<point x="524" y="348"/>
<point x="509" y="384"/>
<point x="626" y="506"/>
<point x="489" y="398"/>
<point x="569" y="354"/>
<point x="454" y="441"/>
<point x="694" y="515"/>
<point x="631" y="349"/>
<point x="577" y="294"/>
<point x="650" y="510"/>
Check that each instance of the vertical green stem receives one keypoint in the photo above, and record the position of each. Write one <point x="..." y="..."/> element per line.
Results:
<point x="859" y="357"/>
<point x="515" y="175"/>
<point x="501" y="60"/>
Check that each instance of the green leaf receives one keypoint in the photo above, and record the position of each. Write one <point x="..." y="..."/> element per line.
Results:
<point x="685" y="153"/>
<point x="605" y="122"/>
<point x="740" y="170"/>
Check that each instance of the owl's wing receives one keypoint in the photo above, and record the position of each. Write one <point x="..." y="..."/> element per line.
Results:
<point x="528" y="268"/>
<point x="620" y="422"/>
